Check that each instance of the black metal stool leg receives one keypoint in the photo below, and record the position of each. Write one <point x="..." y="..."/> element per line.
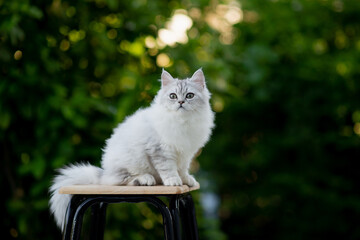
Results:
<point x="175" y="212"/>
<point x="98" y="219"/>
<point x="70" y="212"/>
<point x="188" y="217"/>
<point x="166" y="214"/>
<point x="79" y="204"/>
<point x="78" y="216"/>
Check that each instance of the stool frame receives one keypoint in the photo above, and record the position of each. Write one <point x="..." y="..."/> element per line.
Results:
<point x="178" y="218"/>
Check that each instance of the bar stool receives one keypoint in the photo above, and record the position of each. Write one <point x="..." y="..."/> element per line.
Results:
<point x="178" y="218"/>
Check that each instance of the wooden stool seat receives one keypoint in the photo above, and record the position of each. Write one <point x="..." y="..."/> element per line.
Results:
<point x="178" y="216"/>
<point x="124" y="190"/>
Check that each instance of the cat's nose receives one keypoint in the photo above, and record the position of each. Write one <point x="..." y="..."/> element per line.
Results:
<point x="181" y="102"/>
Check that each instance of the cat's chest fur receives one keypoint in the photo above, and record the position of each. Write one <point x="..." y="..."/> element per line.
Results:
<point x="186" y="132"/>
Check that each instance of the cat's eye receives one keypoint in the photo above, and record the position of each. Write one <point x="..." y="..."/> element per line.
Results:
<point x="173" y="96"/>
<point x="190" y="95"/>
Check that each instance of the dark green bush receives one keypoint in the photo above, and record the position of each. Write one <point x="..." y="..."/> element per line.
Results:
<point x="285" y="82"/>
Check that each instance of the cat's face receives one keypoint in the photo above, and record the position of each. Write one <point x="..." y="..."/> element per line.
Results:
<point x="185" y="95"/>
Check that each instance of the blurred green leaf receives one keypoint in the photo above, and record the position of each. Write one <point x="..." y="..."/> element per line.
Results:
<point x="285" y="89"/>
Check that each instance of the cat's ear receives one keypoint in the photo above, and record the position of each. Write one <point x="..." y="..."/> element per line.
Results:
<point x="199" y="78"/>
<point x="166" y="78"/>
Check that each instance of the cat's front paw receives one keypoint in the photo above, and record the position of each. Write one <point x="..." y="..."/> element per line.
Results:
<point x="173" y="181"/>
<point x="190" y="180"/>
<point x="143" y="180"/>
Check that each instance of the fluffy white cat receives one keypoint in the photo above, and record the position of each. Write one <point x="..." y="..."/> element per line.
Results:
<point x="153" y="146"/>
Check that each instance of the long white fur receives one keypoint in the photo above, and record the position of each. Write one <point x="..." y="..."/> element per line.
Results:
<point x="155" y="145"/>
<point x="70" y="175"/>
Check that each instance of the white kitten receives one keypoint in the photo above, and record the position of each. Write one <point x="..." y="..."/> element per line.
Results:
<point x="153" y="146"/>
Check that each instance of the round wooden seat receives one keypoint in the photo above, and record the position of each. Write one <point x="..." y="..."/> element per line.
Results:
<point x="123" y="190"/>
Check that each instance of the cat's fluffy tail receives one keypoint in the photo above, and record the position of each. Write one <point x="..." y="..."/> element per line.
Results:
<point x="70" y="175"/>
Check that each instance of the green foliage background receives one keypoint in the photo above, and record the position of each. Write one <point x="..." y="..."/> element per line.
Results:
<point x="285" y="82"/>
